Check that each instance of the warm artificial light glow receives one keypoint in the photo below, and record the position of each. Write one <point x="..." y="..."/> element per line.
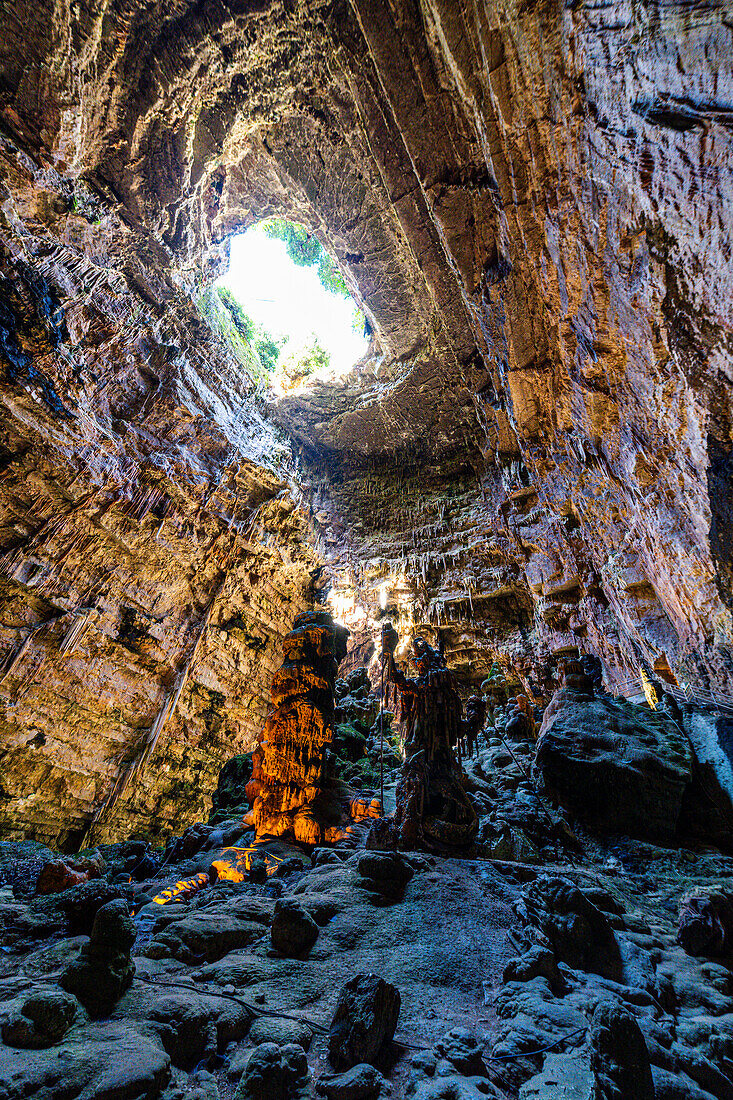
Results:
<point x="235" y="863"/>
<point x="183" y="889"/>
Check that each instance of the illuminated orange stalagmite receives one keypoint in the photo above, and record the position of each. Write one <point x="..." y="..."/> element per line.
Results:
<point x="289" y="764"/>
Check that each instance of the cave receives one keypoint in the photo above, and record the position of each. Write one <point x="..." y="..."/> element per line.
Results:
<point x="233" y="863"/>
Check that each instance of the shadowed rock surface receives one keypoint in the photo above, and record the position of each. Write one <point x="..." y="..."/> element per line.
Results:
<point x="529" y="473"/>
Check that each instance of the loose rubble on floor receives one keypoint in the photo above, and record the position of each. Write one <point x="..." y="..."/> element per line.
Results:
<point x="552" y="960"/>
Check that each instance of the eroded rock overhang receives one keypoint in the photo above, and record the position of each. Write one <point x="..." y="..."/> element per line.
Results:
<point x="533" y="210"/>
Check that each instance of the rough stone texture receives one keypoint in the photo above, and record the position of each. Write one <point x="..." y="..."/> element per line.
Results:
<point x="532" y="203"/>
<point x="57" y="876"/>
<point x="615" y="765"/>
<point x="289" y="787"/>
<point x="365" y="1019"/>
<point x="274" y="1073"/>
<point x="579" y="933"/>
<point x="620" y="1058"/>
<point x="109" y="1061"/>
<point x="229" y="800"/>
<point x="705" y="925"/>
<point x="41" y="1021"/>
<point x="293" y="931"/>
<point x="104" y="969"/>
<point x="361" y="1082"/>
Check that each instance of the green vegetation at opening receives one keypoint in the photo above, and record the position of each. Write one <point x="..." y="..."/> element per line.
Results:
<point x="268" y="360"/>
<point x="255" y="348"/>
<point x="305" y="250"/>
<point x="303" y="363"/>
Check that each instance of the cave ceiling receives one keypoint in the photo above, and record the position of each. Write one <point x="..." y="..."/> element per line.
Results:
<point x="531" y="204"/>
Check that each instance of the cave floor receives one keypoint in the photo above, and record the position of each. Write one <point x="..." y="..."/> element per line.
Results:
<point x="463" y="943"/>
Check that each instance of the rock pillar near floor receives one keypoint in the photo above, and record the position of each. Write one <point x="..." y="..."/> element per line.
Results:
<point x="289" y="764"/>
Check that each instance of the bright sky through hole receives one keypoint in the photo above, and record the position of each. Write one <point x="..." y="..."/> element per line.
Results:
<point x="289" y="301"/>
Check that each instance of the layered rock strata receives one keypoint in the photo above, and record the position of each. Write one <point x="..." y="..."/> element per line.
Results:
<point x="532" y="204"/>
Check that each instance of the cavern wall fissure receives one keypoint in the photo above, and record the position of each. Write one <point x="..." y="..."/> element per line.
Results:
<point x="533" y="208"/>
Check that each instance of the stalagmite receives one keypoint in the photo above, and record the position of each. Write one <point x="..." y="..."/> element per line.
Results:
<point x="288" y="788"/>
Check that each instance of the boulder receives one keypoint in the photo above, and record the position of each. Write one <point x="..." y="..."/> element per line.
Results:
<point x="579" y="934"/>
<point x="361" y="1082"/>
<point x="566" y="1076"/>
<point x="208" y="934"/>
<point x="461" y="1048"/>
<point x="705" y="925"/>
<point x="275" y="1073"/>
<point x="433" y="1077"/>
<point x="384" y="873"/>
<point x="289" y="866"/>
<point x="82" y="904"/>
<point x="56" y="876"/>
<point x="101" y="1061"/>
<point x="365" y="1019"/>
<point x="257" y="870"/>
<point x="104" y="969"/>
<point x="193" y="841"/>
<point x="538" y="962"/>
<point x="42" y="1020"/>
<point x="618" y="767"/>
<point x="201" y="1085"/>
<point x="190" y="1025"/>
<point x="619" y="1058"/>
<point x="270" y="1029"/>
<point x="293" y="931"/>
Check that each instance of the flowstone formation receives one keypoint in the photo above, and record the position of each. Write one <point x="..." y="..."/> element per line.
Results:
<point x="289" y="788"/>
<point x="433" y="809"/>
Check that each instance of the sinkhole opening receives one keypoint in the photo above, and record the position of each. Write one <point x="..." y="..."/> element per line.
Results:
<point x="285" y="309"/>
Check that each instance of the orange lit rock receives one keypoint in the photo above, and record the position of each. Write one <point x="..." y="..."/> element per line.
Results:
<point x="183" y="889"/>
<point x="289" y="763"/>
<point x="235" y="864"/>
<point x="361" y="808"/>
<point x="57" y="876"/>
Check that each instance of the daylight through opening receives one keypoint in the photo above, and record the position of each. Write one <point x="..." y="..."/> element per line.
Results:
<point x="286" y="308"/>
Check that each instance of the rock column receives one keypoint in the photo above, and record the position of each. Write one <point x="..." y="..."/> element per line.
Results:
<point x="289" y="764"/>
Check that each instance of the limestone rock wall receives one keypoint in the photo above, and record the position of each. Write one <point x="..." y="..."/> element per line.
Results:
<point x="152" y="554"/>
<point x="532" y="204"/>
<point x="567" y="169"/>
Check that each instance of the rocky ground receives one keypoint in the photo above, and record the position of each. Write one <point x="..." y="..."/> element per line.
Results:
<point x="547" y="964"/>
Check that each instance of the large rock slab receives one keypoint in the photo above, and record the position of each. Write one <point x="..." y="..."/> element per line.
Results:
<point x="618" y="767"/>
<point x="206" y="935"/>
<point x="106" y="1061"/>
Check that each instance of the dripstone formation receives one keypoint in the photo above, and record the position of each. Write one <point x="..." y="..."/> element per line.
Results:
<point x="288" y="787"/>
<point x="529" y="472"/>
<point x="433" y="809"/>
